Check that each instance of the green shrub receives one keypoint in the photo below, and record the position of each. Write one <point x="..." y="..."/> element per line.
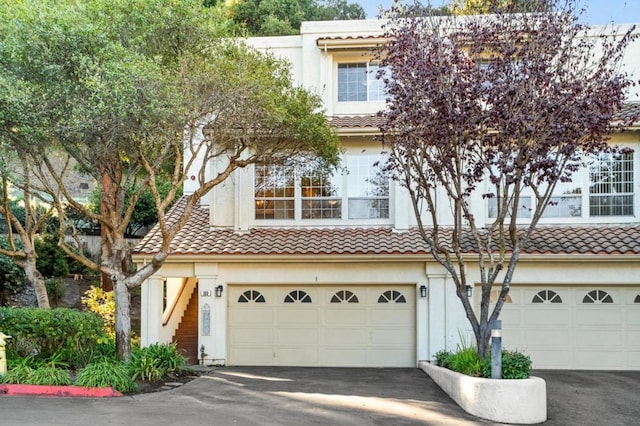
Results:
<point x="466" y="361"/>
<point x="442" y="358"/>
<point x="3" y="378"/>
<point x="19" y="374"/>
<point x="154" y="362"/>
<point x="103" y="373"/>
<point x="515" y="365"/>
<point x="67" y="334"/>
<point x="48" y="375"/>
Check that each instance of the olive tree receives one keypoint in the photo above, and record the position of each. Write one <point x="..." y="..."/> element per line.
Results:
<point x="125" y="90"/>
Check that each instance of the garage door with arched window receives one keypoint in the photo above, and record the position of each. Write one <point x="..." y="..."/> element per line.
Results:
<point x="575" y="327"/>
<point x="346" y="326"/>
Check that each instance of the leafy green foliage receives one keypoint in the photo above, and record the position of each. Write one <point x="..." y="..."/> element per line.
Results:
<point x="154" y="362"/>
<point x="47" y="375"/>
<point x="102" y="373"/>
<point x="466" y="361"/>
<point x="52" y="261"/>
<point x="46" y="333"/>
<point x="442" y="358"/>
<point x="120" y="88"/>
<point x="19" y="374"/>
<point x="283" y="17"/>
<point x="515" y="365"/>
<point x="12" y="277"/>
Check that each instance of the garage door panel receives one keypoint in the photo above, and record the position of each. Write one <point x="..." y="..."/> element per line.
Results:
<point x="345" y="316"/>
<point x="633" y="315"/>
<point x="598" y="338"/>
<point x="595" y="315"/>
<point x="633" y="338"/>
<point x="322" y="332"/>
<point x="297" y="316"/>
<point x="252" y="336"/>
<point x="547" y="337"/>
<point x="390" y="317"/>
<point x="549" y="317"/>
<point x="244" y="316"/>
<point x="633" y="359"/>
<point x="345" y="357"/>
<point x="551" y="358"/>
<point x="601" y="359"/>
<point x="338" y="336"/>
<point x="252" y="356"/>
<point x="390" y="337"/>
<point x="296" y="356"/>
<point x="389" y="358"/>
<point x="296" y="336"/>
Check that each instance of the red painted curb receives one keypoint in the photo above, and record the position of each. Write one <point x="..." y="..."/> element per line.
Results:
<point x="66" y="391"/>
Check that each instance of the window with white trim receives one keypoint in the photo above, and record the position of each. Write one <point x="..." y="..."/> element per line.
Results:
<point x="608" y="179"/>
<point x="358" y="191"/>
<point x="611" y="185"/>
<point x="357" y="82"/>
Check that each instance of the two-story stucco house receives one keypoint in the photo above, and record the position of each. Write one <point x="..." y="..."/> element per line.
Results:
<point x="306" y="270"/>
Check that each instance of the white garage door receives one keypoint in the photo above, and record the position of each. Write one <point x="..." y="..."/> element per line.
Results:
<point x="322" y="326"/>
<point x="575" y="327"/>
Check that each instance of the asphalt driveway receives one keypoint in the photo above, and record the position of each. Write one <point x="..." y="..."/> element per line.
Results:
<point x="260" y="396"/>
<point x="327" y="396"/>
<point x="595" y="398"/>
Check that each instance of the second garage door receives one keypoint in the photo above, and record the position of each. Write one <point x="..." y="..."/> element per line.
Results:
<point x="575" y="327"/>
<point x="353" y="326"/>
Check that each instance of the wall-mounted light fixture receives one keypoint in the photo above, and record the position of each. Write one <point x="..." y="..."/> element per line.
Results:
<point x="423" y="291"/>
<point x="219" y="291"/>
<point x="469" y="291"/>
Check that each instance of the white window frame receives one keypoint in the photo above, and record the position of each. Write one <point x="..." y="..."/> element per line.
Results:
<point x="585" y="195"/>
<point x="343" y="197"/>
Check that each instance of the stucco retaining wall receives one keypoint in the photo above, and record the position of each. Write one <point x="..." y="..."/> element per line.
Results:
<point x="504" y="401"/>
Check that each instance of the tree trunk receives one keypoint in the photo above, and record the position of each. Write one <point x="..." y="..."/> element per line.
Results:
<point x="482" y="339"/>
<point x="123" y="320"/>
<point x="36" y="279"/>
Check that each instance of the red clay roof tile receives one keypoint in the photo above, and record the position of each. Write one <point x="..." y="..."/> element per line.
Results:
<point x="198" y="238"/>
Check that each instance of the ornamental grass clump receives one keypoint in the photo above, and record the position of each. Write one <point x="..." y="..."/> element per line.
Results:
<point x="103" y="373"/>
<point x="154" y="362"/>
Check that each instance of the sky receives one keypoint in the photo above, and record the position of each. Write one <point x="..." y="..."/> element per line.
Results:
<point x="597" y="12"/>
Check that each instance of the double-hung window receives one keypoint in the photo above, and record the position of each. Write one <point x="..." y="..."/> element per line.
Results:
<point x="357" y="82"/>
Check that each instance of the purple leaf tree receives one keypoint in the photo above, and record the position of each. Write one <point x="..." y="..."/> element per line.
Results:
<point x="484" y="109"/>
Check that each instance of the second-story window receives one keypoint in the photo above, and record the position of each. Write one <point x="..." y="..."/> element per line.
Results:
<point x="357" y="82"/>
<point x="321" y="196"/>
<point x="368" y="188"/>
<point x="358" y="191"/>
<point x="611" y="185"/>
<point x="608" y="179"/>
<point x="274" y="192"/>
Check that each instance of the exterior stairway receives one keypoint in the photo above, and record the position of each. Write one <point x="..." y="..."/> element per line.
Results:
<point x="186" y="336"/>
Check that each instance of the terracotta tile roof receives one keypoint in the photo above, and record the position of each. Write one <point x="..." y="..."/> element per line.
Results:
<point x="630" y="113"/>
<point x="356" y="121"/>
<point x="197" y="238"/>
<point x="350" y="42"/>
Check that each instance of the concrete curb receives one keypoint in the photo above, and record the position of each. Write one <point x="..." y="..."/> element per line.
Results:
<point x="64" y="391"/>
<point x="505" y="401"/>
